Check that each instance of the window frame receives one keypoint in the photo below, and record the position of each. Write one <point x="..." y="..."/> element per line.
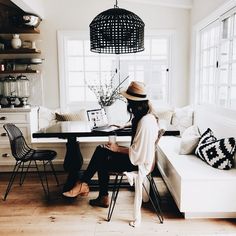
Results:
<point x="63" y="36"/>
<point x="216" y="17"/>
<point x="201" y="67"/>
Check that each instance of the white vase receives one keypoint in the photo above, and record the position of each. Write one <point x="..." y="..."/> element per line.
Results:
<point x="16" y="41"/>
<point x="108" y="113"/>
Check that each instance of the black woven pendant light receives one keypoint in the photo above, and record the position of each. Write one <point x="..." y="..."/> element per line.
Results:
<point x="117" y="31"/>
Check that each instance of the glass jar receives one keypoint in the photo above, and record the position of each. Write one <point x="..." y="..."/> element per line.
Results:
<point x="10" y="86"/>
<point x="23" y="90"/>
<point x="10" y="89"/>
<point x="1" y="87"/>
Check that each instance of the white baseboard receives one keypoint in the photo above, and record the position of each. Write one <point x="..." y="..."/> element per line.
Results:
<point x="196" y="215"/>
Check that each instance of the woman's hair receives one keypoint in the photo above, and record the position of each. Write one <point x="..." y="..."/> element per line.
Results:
<point x="140" y="108"/>
<point x="137" y="110"/>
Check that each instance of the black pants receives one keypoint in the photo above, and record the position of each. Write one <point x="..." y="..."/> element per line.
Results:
<point x="103" y="161"/>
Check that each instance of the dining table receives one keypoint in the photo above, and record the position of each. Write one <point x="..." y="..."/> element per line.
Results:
<point x="71" y="131"/>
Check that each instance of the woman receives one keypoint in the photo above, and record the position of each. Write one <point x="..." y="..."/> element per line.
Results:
<point x="112" y="157"/>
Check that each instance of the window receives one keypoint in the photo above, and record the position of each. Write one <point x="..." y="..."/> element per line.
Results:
<point x="216" y="70"/>
<point x="209" y="39"/>
<point x="79" y="67"/>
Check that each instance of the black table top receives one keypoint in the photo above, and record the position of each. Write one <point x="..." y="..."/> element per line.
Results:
<point x="67" y="129"/>
<point x="71" y="129"/>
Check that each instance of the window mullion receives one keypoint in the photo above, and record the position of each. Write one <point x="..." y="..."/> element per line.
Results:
<point x="85" y="80"/>
<point x="230" y="59"/>
<point x="217" y="65"/>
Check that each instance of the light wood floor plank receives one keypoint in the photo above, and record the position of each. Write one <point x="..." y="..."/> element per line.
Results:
<point x="26" y="212"/>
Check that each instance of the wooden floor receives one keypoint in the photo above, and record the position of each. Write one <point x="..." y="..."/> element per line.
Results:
<point x="26" y="212"/>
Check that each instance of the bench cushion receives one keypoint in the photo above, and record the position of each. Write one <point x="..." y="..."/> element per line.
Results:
<point x="199" y="190"/>
<point x="190" y="167"/>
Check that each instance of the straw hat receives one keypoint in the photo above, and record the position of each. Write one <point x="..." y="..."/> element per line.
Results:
<point x="136" y="91"/>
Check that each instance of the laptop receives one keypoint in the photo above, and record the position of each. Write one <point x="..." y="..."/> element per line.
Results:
<point x="99" y="120"/>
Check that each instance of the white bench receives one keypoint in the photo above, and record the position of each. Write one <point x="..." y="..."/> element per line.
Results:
<point x="199" y="190"/>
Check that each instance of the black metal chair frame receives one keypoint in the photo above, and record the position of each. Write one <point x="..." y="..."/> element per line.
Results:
<point x="24" y="160"/>
<point x="115" y="191"/>
<point x="154" y="197"/>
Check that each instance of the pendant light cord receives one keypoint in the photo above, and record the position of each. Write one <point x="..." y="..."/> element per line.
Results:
<point x="116" y="6"/>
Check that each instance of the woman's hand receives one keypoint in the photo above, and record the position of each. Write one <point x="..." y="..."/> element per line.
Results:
<point x="114" y="147"/>
<point x="122" y="126"/>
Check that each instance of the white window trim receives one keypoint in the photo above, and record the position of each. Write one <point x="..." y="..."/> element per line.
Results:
<point x="172" y="39"/>
<point x="63" y="35"/>
<point x="195" y="42"/>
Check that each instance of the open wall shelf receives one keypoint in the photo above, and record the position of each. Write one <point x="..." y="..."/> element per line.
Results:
<point x="20" y="51"/>
<point x="19" y="30"/>
<point x="19" y="72"/>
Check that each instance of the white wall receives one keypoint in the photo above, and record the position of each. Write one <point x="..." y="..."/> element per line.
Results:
<point x="77" y="14"/>
<point x="203" y="8"/>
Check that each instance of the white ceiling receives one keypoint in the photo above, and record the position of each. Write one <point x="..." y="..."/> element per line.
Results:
<point x="170" y="3"/>
<point x="36" y="6"/>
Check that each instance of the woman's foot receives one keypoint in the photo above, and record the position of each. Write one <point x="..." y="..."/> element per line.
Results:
<point x="100" y="201"/>
<point x="135" y="223"/>
<point x="80" y="189"/>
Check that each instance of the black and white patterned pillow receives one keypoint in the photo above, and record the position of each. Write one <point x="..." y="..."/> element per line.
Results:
<point x="207" y="136"/>
<point x="217" y="153"/>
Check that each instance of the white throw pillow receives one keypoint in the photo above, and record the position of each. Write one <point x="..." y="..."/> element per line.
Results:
<point x="189" y="141"/>
<point x="165" y="115"/>
<point x="46" y="117"/>
<point x="182" y="118"/>
<point x="163" y="124"/>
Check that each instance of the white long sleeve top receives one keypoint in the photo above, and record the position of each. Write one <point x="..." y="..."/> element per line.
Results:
<point x="142" y="150"/>
<point x="142" y="154"/>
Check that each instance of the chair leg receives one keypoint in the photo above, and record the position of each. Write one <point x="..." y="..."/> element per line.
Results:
<point x="54" y="172"/>
<point x="154" y="199"/>
<point x="45" y="189"/>
<point x="23" y="173"/>
<point x="46" y="177"/>
<point x="115" y="192"/>
<point x="157" y="197"/>
<point x="156" y="190"/>
<point x="12" y="178"/>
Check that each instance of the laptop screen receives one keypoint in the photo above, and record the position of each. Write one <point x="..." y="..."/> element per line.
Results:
<point x="98" y="117"/>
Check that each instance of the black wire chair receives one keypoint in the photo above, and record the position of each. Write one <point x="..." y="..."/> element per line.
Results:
<point x="27" y="158"/>
<point x="153" y="194"/>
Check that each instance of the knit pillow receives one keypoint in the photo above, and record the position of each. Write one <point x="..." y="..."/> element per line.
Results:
<point x="80" y="116"/>
<point x="217" y="153"/>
